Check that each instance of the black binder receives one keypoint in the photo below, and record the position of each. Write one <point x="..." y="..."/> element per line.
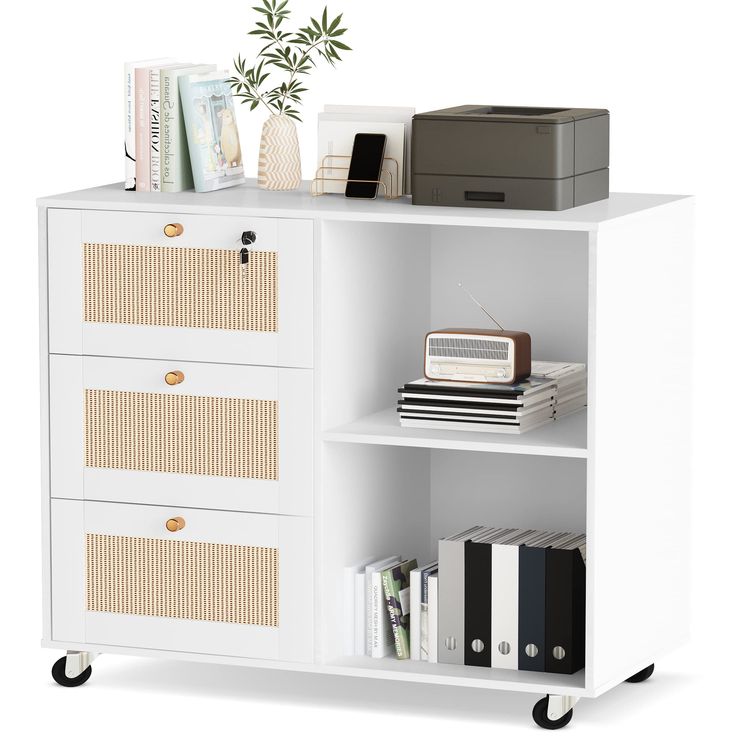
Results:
<point x="478" y="603"/>
<point x="565" y="611"/>
<point x="532" y="571"/>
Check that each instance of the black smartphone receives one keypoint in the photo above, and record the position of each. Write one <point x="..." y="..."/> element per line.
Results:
<point x="365" y="164"/>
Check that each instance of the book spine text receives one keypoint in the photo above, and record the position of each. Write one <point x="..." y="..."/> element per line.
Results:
<point x="170" y="114"/>
<point x="142" y="131"/>
<point x="391" y="595"/>
<point x="129" y="122"/>
<point x="155" y="112"/>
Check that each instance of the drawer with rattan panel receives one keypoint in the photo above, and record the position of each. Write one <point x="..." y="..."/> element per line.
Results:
<point x="183" y="579"/>
<point x="183" y="287"/>
<point x="189" y="434"/>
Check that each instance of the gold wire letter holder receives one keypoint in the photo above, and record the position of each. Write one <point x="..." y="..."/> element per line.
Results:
<point x="389" y="172"/>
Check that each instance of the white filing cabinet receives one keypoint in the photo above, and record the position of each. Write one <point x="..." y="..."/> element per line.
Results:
<point x="220" y="439"/>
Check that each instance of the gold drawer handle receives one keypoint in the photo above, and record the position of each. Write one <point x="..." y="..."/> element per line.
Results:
<point x="176" y="524"/>
<point x="173" y="229"/>
<point x="174" y="377"/>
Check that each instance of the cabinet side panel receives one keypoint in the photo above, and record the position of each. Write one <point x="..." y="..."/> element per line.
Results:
<point x="640" y="447"/>
<point x="43" y="314"/>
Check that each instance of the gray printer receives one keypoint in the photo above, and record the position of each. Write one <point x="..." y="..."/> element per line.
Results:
<point x="529" y="158"/>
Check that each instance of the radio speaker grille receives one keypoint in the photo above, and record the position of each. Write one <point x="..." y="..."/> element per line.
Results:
<point x="465" y="347"/>
<point x="180" y="287"/>
<point x="182" y="579"/>
<point x="198" y="435"/>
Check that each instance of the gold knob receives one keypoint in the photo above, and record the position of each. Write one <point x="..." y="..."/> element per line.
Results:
<point x="173" y="229"/>
<point x="176" y="524"/>
<point x="174" y="377"/>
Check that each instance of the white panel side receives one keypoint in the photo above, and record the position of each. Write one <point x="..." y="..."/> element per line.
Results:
<point x="67" y="570"/>
<point x="318" y="518"/>
<point x="45" y="464"/>
<point x="64" y="279"/>
<point x="639" y="468"/>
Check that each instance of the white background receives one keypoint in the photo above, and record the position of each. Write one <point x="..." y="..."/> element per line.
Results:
<point x="664" y="69"/>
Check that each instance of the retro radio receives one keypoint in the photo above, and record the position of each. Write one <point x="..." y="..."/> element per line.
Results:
<point x="477" y="355"/>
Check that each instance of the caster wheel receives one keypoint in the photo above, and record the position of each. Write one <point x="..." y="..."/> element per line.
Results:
<point x="645" y="674"/>
<point x="58" y="672"/>
<point x="539" y="714"/>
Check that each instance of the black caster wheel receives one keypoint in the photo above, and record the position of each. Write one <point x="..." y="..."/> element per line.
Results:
<point x="539" y="714"/>
<point x="645" y="674"/>
<point x="58" y="672"/>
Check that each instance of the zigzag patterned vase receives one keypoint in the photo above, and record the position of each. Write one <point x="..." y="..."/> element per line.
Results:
<point x="279" y="163"/>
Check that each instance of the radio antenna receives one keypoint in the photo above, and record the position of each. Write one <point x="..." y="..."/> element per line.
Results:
<point x="485" y="311"/>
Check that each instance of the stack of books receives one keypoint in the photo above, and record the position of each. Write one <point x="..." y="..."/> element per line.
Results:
<point x="180" y="128"/>
<point x="571" y="381"/>
<point x="504" y="598"/>
<point x="552" y="391"/>
<point x="377" y="607"/>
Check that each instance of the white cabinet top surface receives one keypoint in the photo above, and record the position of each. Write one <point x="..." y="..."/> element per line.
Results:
<point x="248" y="199"/>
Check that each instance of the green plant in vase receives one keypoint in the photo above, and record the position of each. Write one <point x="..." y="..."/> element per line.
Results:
<point x="294" y="54"/>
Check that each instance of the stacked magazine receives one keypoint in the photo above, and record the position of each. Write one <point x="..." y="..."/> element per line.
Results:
<point x="552" y="391"/>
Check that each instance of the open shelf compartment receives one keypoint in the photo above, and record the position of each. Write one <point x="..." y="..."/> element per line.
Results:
<point x="379" y="500"/>
<point x="387" y="489"/>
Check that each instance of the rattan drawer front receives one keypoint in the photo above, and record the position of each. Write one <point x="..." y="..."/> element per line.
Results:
<point x="216" y="582"/>
<point x="182" y="579"/>
<point x="203" y="288"/>
<point x="119" y="287"/>
<point x="229" y="437"/>
<point x="199" y="435"/>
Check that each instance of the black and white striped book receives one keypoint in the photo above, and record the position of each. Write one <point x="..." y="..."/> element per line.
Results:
<point x="552" y="391"/>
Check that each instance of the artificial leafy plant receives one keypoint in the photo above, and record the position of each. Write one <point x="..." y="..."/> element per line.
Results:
<point x="293" y="52"/>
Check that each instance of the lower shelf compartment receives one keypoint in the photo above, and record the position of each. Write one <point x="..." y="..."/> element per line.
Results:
<point x="460" y="675"/>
